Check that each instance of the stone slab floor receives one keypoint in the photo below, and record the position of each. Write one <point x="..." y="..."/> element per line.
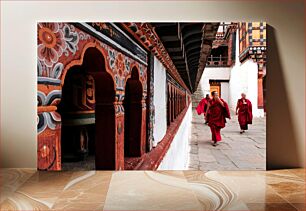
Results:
<point x="235" y="152"/>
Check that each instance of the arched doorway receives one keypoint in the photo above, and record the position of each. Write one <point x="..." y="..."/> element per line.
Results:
<point x="133" y="116"/>
<point x="88" y="115"/>
<point x="77" y="121"/>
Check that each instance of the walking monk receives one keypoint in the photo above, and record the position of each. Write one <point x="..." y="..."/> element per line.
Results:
<point x="244" y="111"/>
<point x="217" y="111"/>
<point x="202" y="107"/>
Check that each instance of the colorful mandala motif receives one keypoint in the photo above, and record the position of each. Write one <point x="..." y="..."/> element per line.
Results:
<point x="52" y="43"/>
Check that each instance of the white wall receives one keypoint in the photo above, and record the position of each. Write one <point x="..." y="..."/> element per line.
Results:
<point x="243" y="78"/>
<point x="177" y="156"/>
<point x="160" y="102"/>
<point x="225" y="91"/>
<point x="215" y="73"/>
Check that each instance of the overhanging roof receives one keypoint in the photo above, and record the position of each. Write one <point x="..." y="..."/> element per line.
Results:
<point x="188" y="45"/>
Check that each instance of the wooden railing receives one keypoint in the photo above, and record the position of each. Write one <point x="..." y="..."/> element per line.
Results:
<point x="217" y="61"/>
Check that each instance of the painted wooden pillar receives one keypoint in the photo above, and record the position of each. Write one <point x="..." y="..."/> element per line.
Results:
<point x="143" y="127"/>
<point x="119" y="122"/>
<point x="231" y="42"/>
<point x="48" y="128"/>
<point x="49" y="146"/>
<point x="260" y="99"/>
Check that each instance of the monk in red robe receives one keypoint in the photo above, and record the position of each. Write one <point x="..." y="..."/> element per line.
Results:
<point x="217" y="111"/>
<point x="202" y="107"/>
<point x="244" y="112"/>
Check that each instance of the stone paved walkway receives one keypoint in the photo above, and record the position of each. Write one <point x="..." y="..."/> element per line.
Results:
<point x="235" y="152"/>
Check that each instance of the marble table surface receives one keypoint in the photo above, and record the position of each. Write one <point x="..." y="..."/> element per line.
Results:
<point x="28" y="189"/>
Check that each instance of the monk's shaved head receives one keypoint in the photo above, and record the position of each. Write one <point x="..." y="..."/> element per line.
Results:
<point x="243" y="95"/>
<point x="214" y="94"/>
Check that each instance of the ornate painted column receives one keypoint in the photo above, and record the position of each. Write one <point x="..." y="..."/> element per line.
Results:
<point x="48" y="128"/>
<point x="231" y="43"/>
<point x="143" y="125"/>
<point x="119" y="122"/>
<point x="261" y="74"/>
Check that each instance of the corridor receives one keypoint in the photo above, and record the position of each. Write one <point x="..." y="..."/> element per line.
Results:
<point x="235" y="152"/>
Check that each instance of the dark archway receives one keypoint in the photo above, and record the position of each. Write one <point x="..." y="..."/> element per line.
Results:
<point x="133" y="116"/>
<point x="75" y="142"/>
<point x="88" y="114"/>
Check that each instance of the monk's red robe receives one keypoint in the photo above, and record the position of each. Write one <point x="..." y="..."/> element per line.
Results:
<point x="201" y="108"/>
<point x="245" y="115"/>
<point x="216" y="118"/>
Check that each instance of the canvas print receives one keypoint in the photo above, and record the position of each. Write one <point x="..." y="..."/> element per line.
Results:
<point x="151" y="96"/>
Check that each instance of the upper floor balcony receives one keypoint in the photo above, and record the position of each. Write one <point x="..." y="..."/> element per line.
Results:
<point x="217" y="61"/>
